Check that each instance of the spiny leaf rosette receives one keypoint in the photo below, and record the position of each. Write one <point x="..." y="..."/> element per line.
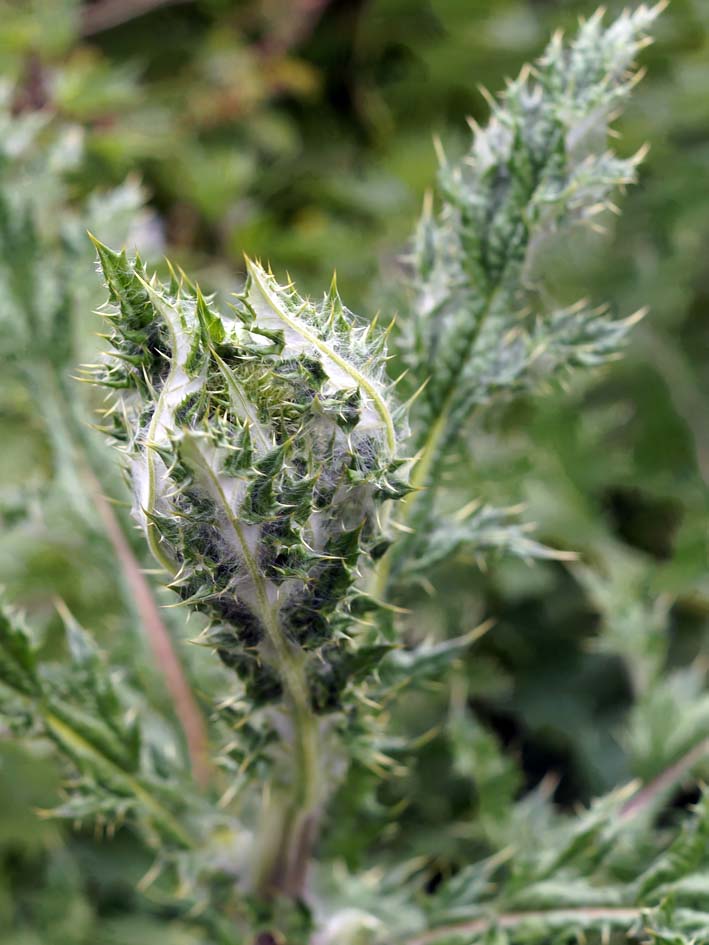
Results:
<point x="260" y="445"/>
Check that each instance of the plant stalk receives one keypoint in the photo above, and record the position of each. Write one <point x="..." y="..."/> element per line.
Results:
<point x="107" y="14"/>
<point x="288" y="827"/>
<point x="290" y="811"/>
<point x="650" y="793"/>
<point x="618" y="917"/>
<point x="420" y="480"/>
<point x="427" y="465"/>
<point x="74" y="467"/>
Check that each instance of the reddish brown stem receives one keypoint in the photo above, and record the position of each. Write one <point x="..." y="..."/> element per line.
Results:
<point x="665" y="780"/>
<point x="106" y="14"/>
<point x="511" y="920"/>
<point x="186" y="709"/>
<point x="303" y="17"/>
<point x="637" y="803"/>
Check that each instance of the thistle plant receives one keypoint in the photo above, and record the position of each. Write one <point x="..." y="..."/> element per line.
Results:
<point x="480" y="309"/>
<point x="260" y="446"/>
<point x="289" y="498"/>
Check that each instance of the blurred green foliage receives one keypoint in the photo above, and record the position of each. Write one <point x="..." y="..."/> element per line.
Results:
<point x="301" y="132"/>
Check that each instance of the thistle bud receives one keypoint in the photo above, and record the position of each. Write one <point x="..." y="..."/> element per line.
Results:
<point x="259" y="447"/>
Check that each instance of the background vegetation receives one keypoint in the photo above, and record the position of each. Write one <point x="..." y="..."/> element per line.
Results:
<point x="300" y="131"/>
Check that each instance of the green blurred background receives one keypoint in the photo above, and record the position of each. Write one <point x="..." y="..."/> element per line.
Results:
<point x="300" y="131"/>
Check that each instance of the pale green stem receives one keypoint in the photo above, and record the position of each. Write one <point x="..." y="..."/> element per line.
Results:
<point x="427" y="467"/>
<point x="284" y="852"/>
<point x="420" y="479"/>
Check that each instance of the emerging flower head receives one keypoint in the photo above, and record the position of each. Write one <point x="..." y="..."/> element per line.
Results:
<point x="260" y="445"/>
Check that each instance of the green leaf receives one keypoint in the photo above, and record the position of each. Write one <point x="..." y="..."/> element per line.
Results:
<point x="18" y="663"/>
